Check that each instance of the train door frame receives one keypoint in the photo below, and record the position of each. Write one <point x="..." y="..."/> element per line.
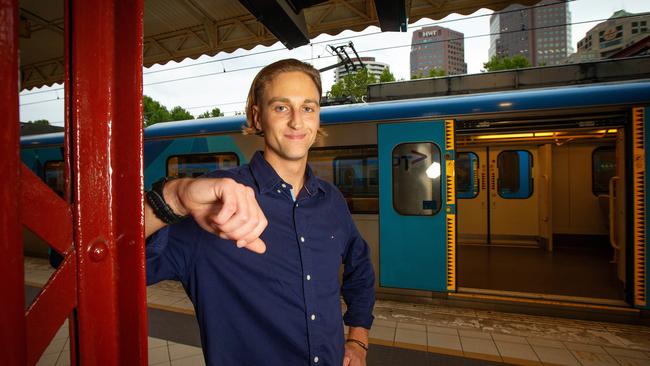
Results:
<point x="476" y="202"/>
<point x="617" y="207"/>
<point x="637" y="202"/>
<point x="545" y="195"/>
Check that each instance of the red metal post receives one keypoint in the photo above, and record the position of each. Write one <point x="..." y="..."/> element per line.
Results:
<point x="12" y="308"/>
<point x="106" y="117"/>
<point x="67" y="156"/>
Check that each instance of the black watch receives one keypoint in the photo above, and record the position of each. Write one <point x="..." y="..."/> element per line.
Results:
<point x="157" y="202"/>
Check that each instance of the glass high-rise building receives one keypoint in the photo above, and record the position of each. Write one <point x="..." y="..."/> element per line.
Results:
<point x="541" y="33"/>
<point x="437" y="48"/>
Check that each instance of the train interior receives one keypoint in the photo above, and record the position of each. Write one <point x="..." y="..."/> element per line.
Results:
<point x="541" y="208"/>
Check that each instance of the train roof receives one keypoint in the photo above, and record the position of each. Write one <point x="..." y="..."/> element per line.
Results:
<point x="580" y="96"/>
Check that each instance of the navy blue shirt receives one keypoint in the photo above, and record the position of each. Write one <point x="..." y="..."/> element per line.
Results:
<point x="282" y="307"/>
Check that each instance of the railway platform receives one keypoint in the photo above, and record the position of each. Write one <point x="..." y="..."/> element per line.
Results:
<point x="403" y="334"/>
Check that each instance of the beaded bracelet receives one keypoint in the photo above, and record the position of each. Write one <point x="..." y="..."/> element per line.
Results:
<point x="361" y="344"/>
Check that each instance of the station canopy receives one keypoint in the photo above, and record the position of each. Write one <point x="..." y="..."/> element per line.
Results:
<point x="177" y="29"/>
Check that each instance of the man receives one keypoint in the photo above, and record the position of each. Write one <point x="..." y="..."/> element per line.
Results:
<point x="277" y="303"/>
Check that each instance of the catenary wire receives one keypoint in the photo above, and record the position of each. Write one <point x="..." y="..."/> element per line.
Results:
<point x="320" y="42"/>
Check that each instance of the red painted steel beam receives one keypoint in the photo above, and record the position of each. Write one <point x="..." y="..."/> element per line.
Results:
<point x="44" y="212"/>
<point x="46" y="315"/>
<point x="106" y="116"/>
<point x="128" y="183"/>
<point x="12" y="306"/>
<point x="67" y="154"/>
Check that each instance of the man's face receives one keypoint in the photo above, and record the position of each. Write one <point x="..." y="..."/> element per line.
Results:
<point x="289" y="115"/>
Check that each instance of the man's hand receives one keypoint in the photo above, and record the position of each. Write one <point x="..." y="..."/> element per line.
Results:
<point x="354" y="355"/>
<point x="221" y="206"/>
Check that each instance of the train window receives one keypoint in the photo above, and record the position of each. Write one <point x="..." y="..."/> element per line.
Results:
<point x="354" y="170"/>
<point x="195" y="165"/>
<point x="54" y="176"/>
<point x="417" y="179"/>
<point x="467" y="184"/>
<point x="515" y="174"/>
<point x="603" y="162"/>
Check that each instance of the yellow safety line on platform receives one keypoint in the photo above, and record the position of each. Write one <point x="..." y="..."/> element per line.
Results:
<point x="545" y="302"/>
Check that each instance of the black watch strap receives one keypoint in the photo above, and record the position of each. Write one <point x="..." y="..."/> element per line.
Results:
<point x="157" y="202"/>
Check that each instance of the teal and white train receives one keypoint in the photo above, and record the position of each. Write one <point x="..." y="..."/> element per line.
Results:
<point x="537" y="195"/>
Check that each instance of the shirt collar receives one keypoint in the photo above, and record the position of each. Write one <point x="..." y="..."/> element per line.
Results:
<point x="268" y="179"/>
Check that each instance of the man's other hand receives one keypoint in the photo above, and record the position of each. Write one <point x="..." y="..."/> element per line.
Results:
<point x="354" y="355"/>
<point x="221" y="206"/>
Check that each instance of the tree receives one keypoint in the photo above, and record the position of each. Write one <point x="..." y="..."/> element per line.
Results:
<point x="154" y="112"/>
<point x="178" y="113"/>
<point x="354" y="85"/>
<point x="386" y="76"/>
<point x="497" y="63"/>
<point x="215" y="112"/>
<point x="433" y="72"/>
<point x="41" y="122"/>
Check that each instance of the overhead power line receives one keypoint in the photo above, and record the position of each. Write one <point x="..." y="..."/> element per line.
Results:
<point x="379" y="49"/>
<point x="354" y="36"/>
<point x="319" y="42"/>
<point x="362" y="51"/>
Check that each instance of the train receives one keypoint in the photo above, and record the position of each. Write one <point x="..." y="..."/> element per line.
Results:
<point x="535" y="194"/>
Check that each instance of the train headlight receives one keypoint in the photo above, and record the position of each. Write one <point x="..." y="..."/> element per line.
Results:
<point x="433" y="171"/>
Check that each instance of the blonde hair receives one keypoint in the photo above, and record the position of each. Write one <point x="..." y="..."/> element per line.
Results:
<point x="264" y="77"/>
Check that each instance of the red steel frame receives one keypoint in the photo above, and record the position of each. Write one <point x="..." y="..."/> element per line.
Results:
<point x="106" y="118"/>
<point x="12" y="318"/>
<point x="101" y="283"/>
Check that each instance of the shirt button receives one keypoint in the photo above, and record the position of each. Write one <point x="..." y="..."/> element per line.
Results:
<point x="302" y="239"/>
<point x="284" y="185"/>
<point x="313" y="317"/>
<point x="279" y="191"/>
<point x="308" y="277"/>
<point x="315" y="359"/>
<point x="296" y="204"/>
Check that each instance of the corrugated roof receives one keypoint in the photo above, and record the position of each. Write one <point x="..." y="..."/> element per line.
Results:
<point x="178" y="29"/>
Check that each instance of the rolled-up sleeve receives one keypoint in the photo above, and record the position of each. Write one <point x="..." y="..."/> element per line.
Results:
<point x="170" y="252"/>
<point x="358" y="286"/>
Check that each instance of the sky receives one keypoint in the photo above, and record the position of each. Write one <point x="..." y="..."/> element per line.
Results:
<point x="232" y="73"/>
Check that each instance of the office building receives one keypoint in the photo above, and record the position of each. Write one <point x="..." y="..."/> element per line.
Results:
<point x="374" y="68"/>
<point x="540" y="33"/>
<point x="619" y="36"/>
<point x="437" y="48"/>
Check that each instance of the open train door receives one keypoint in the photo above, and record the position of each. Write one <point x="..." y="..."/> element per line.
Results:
<point x="417" y="230"/>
